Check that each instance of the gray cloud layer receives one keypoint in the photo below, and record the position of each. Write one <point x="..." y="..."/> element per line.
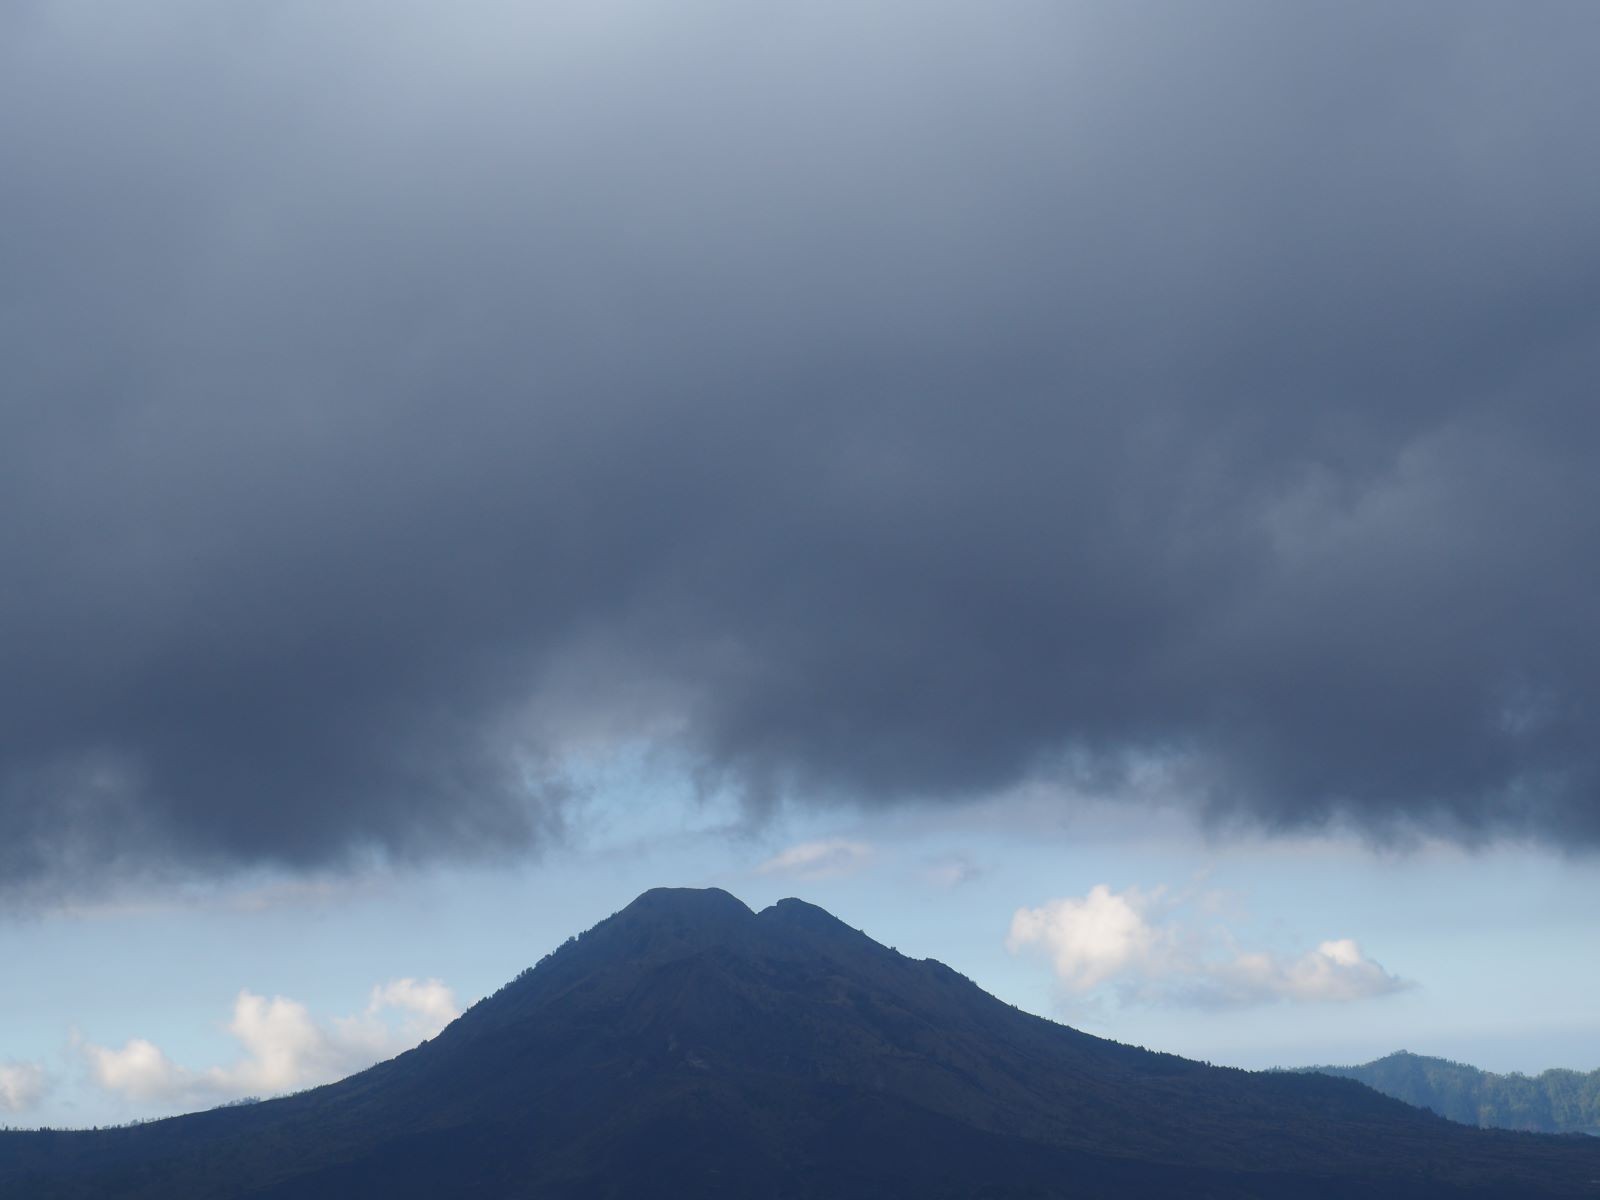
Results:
<point x="884" y="402"/>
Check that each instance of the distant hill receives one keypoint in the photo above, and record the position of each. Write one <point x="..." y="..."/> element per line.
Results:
<point x="1554" y="1102"/>
<point x="688" y="1047"/>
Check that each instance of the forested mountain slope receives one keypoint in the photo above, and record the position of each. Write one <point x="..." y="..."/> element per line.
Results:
<point x="1555" y="1101"/>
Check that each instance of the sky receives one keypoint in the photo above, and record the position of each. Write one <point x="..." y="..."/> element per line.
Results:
<point x="1100" y="495"/>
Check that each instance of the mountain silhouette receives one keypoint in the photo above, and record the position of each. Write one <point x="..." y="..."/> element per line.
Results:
<point x="689" y="1047"/>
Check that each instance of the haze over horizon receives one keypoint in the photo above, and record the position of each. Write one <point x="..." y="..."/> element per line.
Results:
<point x="1102" y="496"/>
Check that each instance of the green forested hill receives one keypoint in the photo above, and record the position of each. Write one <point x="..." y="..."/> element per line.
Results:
<point x="1556" y="1101"/>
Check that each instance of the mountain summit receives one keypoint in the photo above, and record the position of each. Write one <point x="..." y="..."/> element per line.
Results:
<point x="689" y="1047"/>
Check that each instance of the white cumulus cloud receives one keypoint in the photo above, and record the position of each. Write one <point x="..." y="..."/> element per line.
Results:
<point x="21" y="1085"/>
<point x="282" y="1047"/>
<point x="1092" y="939"/>
<point x="1147" y="947"/>
<point x="821" y="859"/>
<point x="427" y="1003"/>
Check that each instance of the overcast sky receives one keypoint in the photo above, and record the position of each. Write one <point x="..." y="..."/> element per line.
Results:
<point x="432" y="436"/>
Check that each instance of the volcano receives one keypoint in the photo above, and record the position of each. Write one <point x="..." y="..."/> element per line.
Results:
<point x="689" y="1047"/>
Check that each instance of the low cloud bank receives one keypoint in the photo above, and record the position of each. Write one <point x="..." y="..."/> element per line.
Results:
<point x="1147" y="947"/>
<point x="283" y="1048"/>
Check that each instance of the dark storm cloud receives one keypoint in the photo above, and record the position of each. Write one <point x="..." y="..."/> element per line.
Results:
<point x="881" y="402"/>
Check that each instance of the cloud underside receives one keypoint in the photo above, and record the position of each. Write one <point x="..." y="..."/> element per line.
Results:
<point x="882" y="405"/>
<point x="282" y="1048"/>
<point x="1149" y="948"/>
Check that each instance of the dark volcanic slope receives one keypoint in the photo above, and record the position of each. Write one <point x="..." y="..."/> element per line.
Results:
<point x="689" y="1047"/>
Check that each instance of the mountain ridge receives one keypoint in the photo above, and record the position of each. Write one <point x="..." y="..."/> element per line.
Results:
<point x="687" y="1046"/>
<point x="1554" y="1101"/>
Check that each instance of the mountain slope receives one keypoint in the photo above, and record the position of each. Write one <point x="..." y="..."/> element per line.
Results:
<point x="1554" y="1101"/>
<point x="688" y="1047"/>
